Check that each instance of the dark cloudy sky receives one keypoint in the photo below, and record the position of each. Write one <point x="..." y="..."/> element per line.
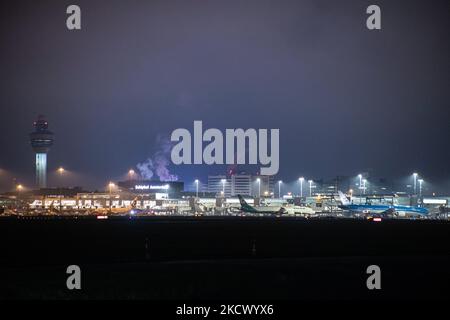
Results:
<point x="346" y="99"/>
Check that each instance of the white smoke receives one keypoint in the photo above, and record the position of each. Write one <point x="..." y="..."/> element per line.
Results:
<point x="145" y="169"/>
<point x="159" y="163"/>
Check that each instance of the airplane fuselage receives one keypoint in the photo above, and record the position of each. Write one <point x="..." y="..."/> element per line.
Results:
<point x="380" y="208"/>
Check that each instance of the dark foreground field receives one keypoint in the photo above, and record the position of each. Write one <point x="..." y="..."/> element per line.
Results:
<point x="213" y="258"/>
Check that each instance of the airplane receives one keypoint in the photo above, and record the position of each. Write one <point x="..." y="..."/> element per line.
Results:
<point x="131" y="209"/>
<point x="274" y="210"/>
<point x="298" y="210"/>
<point x="444" y="209"/>
<point x="383" y="210"/>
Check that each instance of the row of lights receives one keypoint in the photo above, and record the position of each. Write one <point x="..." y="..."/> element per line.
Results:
<point x="362" y="183"/>
<point x="258" y="180"/>
<point x="300" y="180"/>
<point x="310" y="182"/>
<point x="61" y="170"/>
<point x="20" y="187"/>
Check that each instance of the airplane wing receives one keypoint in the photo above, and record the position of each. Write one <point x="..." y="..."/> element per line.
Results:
<point x="390" y="211"/>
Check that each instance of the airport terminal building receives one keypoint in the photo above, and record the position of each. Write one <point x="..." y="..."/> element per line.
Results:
<point x="243" y="184"/>
<point x="158" y="189"/>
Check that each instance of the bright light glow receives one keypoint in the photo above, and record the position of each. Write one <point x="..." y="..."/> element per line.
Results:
<point x="151" y="187"/>
<point x="131" y="172"/>
<point x="434" y="201"/>
<point x="19" y="187"/>
<point x="415" y="174"/>
<point x="301" y="178"/>
<point x="61" y="170"/>
<point x="196" y="180"/>
<point x="377" y="219"/>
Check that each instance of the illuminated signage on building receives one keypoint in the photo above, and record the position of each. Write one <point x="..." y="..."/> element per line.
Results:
<point x="151" y="187"/>
<point x="434" y="201"/>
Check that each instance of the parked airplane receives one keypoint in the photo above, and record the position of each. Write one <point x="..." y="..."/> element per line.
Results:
<point x="259" y="209"/>
<point x="118" y="210"/>
<point x="380" y="209"/>
<point x="298" y="210"/>
<point x="275" y="210"/>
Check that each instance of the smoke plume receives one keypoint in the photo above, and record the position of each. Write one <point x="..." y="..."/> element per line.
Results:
<point x="159" y="163"/>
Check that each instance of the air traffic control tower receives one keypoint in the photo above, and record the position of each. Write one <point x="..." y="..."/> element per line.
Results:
<point x="41" y="140"/>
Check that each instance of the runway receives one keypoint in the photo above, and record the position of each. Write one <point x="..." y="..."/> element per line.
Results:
<point x="228" y="258"/>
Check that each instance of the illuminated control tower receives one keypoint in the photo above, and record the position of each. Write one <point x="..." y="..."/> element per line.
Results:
<point x="41" y="140"/>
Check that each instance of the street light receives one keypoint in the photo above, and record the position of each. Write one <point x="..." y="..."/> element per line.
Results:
<point x="279" y="188"/>
<point x="60" y="172"/>
<point x="196" y="186"/>
<point x="420" y="187"/>
<point x="360" y="182"/>
<point x="223" y="186"/>
<point x="415" y="182"/>
<point x="259" y="187"/>
<point x="364" y="185"/>
<point x="301" y="179"/>
<point x="131" y="174"/>
<point x="19" y="189"/>
<point x="310" y="187"/>
<point x="110" y="186"/>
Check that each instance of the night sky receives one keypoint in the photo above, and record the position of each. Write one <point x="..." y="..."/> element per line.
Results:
<point x="345" y="99"/>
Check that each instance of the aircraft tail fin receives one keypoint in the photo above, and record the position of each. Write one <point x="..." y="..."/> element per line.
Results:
<point x="244" y="205"/>
<point x="343" y="198"/>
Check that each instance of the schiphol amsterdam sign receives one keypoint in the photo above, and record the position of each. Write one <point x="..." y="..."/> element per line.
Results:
<point x="151" y="187"/>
